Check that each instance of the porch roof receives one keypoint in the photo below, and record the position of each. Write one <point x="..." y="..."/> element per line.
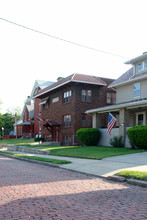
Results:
<point x="117" y="107"/>
<point x="51" y="124"/>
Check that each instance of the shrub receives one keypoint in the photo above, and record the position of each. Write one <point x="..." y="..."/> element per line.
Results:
<point x="38" y="138"/>
<point x="138" y="136"/>
<point x="88" y="136"/>
<point x="116" y="141"/>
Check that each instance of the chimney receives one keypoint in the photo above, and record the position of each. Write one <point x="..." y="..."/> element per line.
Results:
<point x="59" y="78"/>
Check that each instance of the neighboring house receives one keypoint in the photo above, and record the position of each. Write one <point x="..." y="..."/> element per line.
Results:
<point x="28" y="125"/>
<point x="63" y="105"/>
<point x="131" y="101"/>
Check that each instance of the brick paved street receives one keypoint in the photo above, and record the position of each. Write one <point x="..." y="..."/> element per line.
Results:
<point x="33" y="191"/>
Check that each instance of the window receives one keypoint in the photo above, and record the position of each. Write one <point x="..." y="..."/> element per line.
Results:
<point x="86" y="121"/>
<point x="67" y="140"/>
<point x="46" y="104"/>
<point x="67" y="120"/>
<point x="140" y="118"/>
<point x="39" y="128"/>
<point x="86" y="95"/>
<point x="142" y="66"/>
<point x="67" y="97"/>
<point x="39" y="109"/>
<point x="136" y="90"/>
<point x="111" y="98"/>
<point x="145" y="64"/>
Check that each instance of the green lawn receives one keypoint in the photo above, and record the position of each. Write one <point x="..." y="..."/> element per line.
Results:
<point x="19" y="141"/>
<point x="133" y="174"/>
<point x="50" y="160"/>
<point x="92" y="152"/>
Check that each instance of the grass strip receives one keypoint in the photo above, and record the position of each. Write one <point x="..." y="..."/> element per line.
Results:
<point x="91" y="152"/>
<point x="139" y="175"/>
<point x="50" y="160"/>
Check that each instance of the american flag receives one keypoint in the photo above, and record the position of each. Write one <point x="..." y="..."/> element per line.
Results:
<point x="40" y="120"/>
<point x="15" y="118"/>
<point x="111" y="123"/>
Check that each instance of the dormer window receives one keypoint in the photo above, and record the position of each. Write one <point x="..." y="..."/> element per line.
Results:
<point x="145" y="64"/>
<point x="142" y="66"/>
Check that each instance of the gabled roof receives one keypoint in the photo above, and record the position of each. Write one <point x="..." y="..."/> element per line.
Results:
<point x="39" y="83"/>
<point x="81" y="78"/>
<point x="31" y="110"/>
<point x="128" y="77"/>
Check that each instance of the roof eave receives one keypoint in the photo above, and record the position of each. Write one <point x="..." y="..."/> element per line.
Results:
<point x="117" y="107"/>
<point x="100" y="84"/>
<point x="128" y="81"/>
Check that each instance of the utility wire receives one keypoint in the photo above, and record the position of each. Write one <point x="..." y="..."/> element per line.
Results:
<point x="61" y="39"/>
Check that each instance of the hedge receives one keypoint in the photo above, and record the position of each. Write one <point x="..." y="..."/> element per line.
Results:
<point x="88" y="136"/>
<point x="138" y="136"/>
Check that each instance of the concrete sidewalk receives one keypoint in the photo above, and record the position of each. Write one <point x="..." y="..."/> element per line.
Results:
<point x="105" y="167"/>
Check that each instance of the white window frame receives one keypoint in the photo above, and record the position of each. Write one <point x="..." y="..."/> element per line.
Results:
<point x="136" y="96"/>
<point x="143" y="66"/>
<point x="144" y="117"/>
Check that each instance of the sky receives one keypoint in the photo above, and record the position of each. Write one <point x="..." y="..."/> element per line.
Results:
<point x="115" y="27"/>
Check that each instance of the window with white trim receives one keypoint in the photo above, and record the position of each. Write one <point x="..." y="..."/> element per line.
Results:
<point x="136" y="90"/>
<point x="140" y="118"/>
<point x="142" y="66"/>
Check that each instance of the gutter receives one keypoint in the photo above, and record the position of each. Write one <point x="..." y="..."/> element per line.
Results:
<point x="128" y="81"/>
<point x="100" y="84"/>
<point x="117" y="107"/>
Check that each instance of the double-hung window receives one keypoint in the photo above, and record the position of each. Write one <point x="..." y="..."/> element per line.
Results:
<point x="67" y="140"/>
<point x="86" y="95"/>
<point x="140" y="118"/>
<point x="67" y="96"/>
<point x="142" y="66"/>
<point x="136" y="90"/>
<point x="86" y="121"/>
<point x="67" y="120"/>
<point x="111" y="98"/>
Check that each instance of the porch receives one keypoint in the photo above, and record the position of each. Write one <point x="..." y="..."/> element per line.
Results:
<point x="127" y="114"/>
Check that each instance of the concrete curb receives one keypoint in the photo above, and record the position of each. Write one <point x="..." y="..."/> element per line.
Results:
<point x="129" y="181"/>
<point x="31" y="161"/>
<point x="115" y="178"/>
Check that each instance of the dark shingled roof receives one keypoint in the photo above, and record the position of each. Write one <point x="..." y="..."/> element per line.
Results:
<point x="127" y="77"/>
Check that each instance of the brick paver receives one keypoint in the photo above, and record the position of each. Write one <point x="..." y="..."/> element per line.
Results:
<point x="33" y="191"/>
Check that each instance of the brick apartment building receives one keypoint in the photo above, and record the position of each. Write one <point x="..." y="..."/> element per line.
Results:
<point x="63" y="105"/>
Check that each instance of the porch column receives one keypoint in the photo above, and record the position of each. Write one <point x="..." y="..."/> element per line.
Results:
<point x="122" y="126"/>
<point x="96" y="123"/>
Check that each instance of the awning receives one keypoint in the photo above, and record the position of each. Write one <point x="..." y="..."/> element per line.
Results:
<point x="43" y="102"/>
<point x="52" y="124"/>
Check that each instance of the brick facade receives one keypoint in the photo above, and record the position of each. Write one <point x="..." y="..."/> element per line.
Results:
<point x="57" y="109"/>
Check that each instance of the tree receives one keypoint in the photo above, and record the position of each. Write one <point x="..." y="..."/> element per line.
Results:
<point x="2" y="123"/>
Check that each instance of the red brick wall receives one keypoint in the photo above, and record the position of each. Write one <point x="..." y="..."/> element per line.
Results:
<point x="75" y="108"/>
<point x="36" y="114"/>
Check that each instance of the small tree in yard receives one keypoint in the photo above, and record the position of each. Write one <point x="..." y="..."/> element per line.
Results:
<point x="88" y="136"/>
